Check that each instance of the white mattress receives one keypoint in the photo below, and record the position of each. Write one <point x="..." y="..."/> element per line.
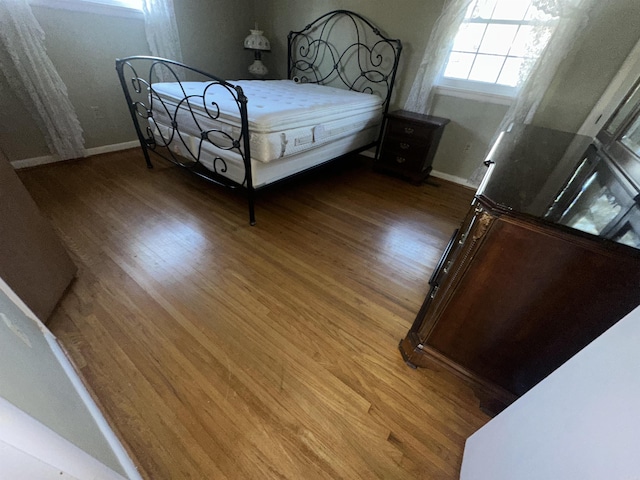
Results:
<point x="285" y="118"/>
<point x="264" y="173"/>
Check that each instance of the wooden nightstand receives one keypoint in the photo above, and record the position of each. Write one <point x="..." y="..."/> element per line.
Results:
<point x="409" y="143"/>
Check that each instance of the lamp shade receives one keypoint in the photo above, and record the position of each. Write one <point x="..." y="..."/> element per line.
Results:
<point x="257" y="41"/>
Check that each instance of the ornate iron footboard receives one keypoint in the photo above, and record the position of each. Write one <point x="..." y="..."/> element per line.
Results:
<point x="139" y="74"/>
<point x="340" y="49"/>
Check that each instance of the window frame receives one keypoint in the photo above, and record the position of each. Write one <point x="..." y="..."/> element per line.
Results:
<point x="103" y="7"/>
<point x="491" y="92"/>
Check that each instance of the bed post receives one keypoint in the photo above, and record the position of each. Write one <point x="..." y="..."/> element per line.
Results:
<point x="244" y="119"/>
<point x="143" y="142"/>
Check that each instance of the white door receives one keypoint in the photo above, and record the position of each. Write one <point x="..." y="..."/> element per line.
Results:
<point x="49" y="425"/>
<point x="582" y="422"/>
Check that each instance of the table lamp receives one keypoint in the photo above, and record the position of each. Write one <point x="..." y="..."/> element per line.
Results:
<point x="257" y="42"/>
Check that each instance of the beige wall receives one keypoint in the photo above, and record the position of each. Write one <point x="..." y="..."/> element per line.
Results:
<point x="212" y="32"/>
<point x="83" y="47"/>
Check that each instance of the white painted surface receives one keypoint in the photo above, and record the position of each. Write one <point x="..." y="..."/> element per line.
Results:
<point x="28" y="449"/>
<point x="16" y="464"/>
<point x="45" y="410"/>
<point x="452" y="178"/>
<point x="582" y="422"/>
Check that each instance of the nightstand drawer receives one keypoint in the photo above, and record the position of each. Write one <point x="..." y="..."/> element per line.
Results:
<point x="408" y="146"/>
<point x="399" y="161"/>
<point x="410" y="130"/>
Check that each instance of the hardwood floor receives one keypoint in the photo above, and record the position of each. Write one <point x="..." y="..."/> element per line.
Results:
<point x="220" y="350"/>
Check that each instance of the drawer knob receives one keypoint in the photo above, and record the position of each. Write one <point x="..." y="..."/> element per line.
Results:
<point x="401" y="159"/>
<point x="408" y="130"/>
<point x="404" y="146"/>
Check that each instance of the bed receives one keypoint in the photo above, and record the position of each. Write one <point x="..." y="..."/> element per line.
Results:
<point x="249" y="134"/>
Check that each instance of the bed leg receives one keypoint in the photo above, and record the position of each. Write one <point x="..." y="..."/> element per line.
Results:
<point x="147" y="159"/>
<point x="252" y="209"/>
<point x="252" y="214"/>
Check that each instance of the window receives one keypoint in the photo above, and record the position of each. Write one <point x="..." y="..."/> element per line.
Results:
<point x="135" y="4"/>
<point x="107" y="7"/>
<point x="496" y="46"/>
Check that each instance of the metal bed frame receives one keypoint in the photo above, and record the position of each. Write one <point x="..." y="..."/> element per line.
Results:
<point x="340" y="48"/>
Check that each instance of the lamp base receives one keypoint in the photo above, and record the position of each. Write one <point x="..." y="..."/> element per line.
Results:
<point x="258" y="69"/>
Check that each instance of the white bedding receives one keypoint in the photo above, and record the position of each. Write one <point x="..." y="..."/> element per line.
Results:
<point x="285" y="118"/>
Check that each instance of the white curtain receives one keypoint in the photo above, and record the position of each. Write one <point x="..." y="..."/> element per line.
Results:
<point x="162" y="32"/>
<point x="435" y="55"/>
<point x="34" y="79"/>
<point x="572" y="16"/>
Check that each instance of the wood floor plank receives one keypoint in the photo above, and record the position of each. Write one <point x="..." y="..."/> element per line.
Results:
<point x="220" y="350"/>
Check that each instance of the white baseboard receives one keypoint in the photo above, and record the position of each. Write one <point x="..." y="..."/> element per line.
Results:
<point x="452" y="178"/>
<point x="113" y="148"/>
<point x="33" y="162"/>
<point x="444" y="176"/>
<point x="371" y="153"/>
<point x="105" y="429"/>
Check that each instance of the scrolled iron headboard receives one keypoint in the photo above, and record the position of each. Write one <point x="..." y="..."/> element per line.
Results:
<point x="360" y="58"/>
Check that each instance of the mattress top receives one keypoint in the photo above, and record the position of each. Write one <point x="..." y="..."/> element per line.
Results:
<point x="272" y="104"/>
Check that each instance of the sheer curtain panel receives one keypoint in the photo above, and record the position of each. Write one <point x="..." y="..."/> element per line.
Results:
<point x="35" y="80"/>
<point x="566" y="19"/>
<point x="435" y="55"/>
<point x="572" y="16"/>
<point x="162" y="33"/>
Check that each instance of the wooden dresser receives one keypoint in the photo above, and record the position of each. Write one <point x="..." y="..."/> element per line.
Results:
<point x="409" y="143"/>
<point x="515" y="296"/>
